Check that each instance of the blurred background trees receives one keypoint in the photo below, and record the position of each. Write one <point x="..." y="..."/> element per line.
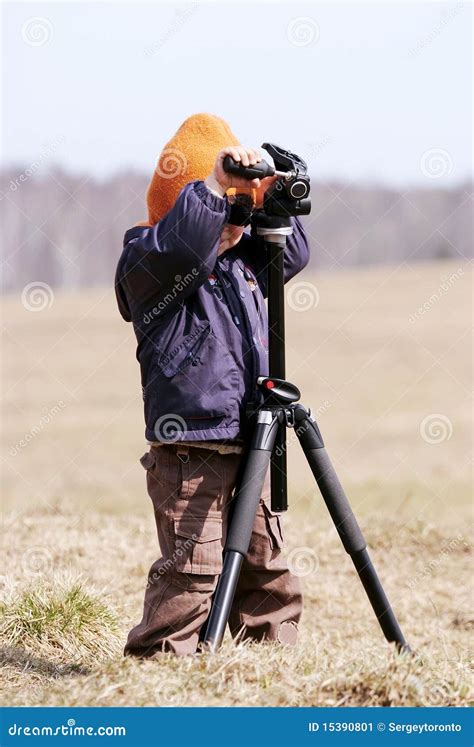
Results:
<point x="67" y="230"/>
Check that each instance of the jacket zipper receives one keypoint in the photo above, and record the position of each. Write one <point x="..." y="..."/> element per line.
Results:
<point x="247" y="325"/>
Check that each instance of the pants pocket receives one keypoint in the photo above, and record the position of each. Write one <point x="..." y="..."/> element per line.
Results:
<point x="148" y="460"/>
<point x="198" y="550"/>
<point x="164" y="478"/>
<point x="274" y="528"/>
<point x="267" y="540"/>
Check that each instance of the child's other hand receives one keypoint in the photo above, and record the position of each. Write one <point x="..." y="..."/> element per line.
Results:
<point x="265" y="183"/>
<point x="230" y="236"/>
<point x="220" y="181"/>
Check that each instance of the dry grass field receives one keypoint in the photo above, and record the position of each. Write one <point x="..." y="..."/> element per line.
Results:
<point x="391" y="388"/>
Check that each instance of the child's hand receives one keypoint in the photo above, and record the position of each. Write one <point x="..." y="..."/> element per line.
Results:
<point x="220" y="181"/>
<point x="265" y="183"/>
<point x="230" y="236"/>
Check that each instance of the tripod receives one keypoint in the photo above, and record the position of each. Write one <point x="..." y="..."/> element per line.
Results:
<point x="278" y="411"/>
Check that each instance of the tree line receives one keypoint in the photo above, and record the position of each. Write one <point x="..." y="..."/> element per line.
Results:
<point x="67" y="229"/>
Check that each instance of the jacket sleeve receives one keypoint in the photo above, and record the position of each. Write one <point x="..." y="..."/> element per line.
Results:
<point x="164" y="263"/>
<point x="253" y="253"/>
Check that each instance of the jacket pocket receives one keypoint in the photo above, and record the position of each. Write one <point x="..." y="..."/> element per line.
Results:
<point x="197" y="382"/>
<point x="184" y="352"/>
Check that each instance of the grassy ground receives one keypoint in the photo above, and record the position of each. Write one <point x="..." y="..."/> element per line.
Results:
<point x="391" y="389"/>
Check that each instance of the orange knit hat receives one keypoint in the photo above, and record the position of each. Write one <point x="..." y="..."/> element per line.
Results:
<point x="190" y="154"/>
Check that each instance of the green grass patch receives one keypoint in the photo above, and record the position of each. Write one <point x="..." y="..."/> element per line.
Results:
<point x="61" y="619"/>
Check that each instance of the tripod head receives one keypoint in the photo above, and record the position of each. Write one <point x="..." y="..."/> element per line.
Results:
<point x="289" y="195"/>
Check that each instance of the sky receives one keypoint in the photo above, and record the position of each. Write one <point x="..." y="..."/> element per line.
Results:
<point x="369" y="92"/>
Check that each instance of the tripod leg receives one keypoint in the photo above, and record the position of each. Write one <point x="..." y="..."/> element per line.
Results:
<point x="240" y="531"/>
<point x="346" y="524"/>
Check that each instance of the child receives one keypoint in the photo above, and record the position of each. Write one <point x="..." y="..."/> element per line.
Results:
<point x="193" y="285"/>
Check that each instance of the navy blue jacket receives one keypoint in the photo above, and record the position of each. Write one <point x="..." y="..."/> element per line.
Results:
<point x="200" y="320"/>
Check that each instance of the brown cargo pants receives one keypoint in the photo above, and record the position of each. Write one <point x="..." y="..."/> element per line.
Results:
<point x="191" y="490"/>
